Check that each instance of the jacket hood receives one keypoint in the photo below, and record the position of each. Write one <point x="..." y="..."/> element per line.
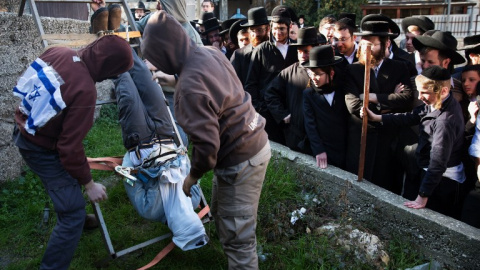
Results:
<point x="107" y="57"/>
<point x="176" y="8"/>
<point x="165" y="43"/>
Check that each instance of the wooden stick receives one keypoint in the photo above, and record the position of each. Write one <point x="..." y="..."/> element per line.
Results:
<point x="366" y="92"/>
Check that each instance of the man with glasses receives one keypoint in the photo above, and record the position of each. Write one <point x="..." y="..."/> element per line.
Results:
<point x="258" y="29"/>
<point x="268" y="59"/>
<point x="327" y="27"/>
<point x="344" y="41"/>
<point x="385" y="75"/>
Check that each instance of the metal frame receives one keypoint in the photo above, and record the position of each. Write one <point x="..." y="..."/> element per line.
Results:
<point x="38" y="22"/>
<point x="116" y="254"/>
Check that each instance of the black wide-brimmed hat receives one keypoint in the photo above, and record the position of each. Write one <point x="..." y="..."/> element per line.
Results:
<point x="205" y="17"/>
<point x="211" y="25"/>
<point x="440" y="40"/>
<point x="322" y="56"/>
<point x="382" y="18"/>
<point x="306" y="36"/>
<point x="226" y="26"/>
<point x="140" y="5"/>
<point x="351" y="16"/>
<point x="234" y="29"/>
<point x="256" y="16"/>
<point x="375" y="28"/>
<point x="282" y="13"/>
<point x="436" y="73"/>
<point x="471" y="42"/>
<point x="423" y="22"/>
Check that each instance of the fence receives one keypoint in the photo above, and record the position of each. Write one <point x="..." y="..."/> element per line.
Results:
<point x="461" y="25"/>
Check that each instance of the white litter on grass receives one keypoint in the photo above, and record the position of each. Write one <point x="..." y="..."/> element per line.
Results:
<point x="297" y="214"/>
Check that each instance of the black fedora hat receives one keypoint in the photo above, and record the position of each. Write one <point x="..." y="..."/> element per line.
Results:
<point x="322" y="56"/>
<point x="205" y="17"/>
<point x="471" y="42"/>
<point x="423" y="22"/>
<point x="282" y="13"/>
<point x="375" y="28"/>
<point x="234" y="29"/>
<point x="211" y="25"/>
<point x="226" y="26"/>
<point x="256" y="16"/>
<point x="440" y="40"/>
<point x="306" y="36"/>
<point x="380" y="17"/>
<point x="140" y="5"/>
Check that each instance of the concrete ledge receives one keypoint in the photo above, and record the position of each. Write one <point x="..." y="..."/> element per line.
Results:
<point x="449" y="241"/>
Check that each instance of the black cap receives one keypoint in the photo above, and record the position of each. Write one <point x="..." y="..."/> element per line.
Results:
<point x="436" y="73"/>
<point x="470" y="68"/>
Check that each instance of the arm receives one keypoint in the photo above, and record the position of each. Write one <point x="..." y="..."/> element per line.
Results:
<point x="352" y="92"/>
<point x="402" y="100"/>
<point x="252" y="84"/>
<point x="316" y="142"/>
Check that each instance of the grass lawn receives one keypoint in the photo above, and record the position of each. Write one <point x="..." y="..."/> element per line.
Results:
<point x="281" y="245"/>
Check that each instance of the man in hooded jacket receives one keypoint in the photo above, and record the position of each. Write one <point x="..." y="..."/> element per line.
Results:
<point x="58" y="102"/>
<point x="227" y="134"/>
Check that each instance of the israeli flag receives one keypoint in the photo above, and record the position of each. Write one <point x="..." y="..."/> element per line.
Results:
<point x="39" y="89"/>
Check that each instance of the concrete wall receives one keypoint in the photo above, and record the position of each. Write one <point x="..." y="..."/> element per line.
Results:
<point x="20" y="44"/>
<point x="441" y="238"/>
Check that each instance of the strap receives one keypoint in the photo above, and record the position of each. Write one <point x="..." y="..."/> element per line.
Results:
<point x="104" y="163"/>
<point x="170" y="246"/>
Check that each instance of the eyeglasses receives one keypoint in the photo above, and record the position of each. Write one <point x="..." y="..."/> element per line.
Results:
<point x="342" y="40"/>
<point x="312" y="74"/>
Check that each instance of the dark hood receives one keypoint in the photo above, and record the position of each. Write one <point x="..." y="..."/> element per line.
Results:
<point x="107" y="57"/>
<point x="165" y="43"/>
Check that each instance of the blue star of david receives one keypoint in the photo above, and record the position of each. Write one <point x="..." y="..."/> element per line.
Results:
<point x="35" y="93"/>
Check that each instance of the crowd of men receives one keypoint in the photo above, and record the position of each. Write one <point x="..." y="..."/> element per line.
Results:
<point x="231" y="84"/>
<point x="426" y="161"/>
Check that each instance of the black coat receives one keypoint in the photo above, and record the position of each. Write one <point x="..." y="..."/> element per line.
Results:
<point x="440" y="141"/>
<point x="379" y="138"/>
<point x="241" y="62"/>
<point x="326" y="125"/>
<point x="266" y="63"/>
<point x="401" y="55"/>
<point x="284" y="97"/>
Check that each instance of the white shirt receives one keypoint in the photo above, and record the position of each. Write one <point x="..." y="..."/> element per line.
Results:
<point x="418" y="62"/>
<point x="283" y="48"/>
<point x="350" y="57"/>
<point x="329" y="97"/>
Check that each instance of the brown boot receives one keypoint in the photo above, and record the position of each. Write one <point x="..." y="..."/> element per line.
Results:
<point x="91" y="222"/>
<point x="114" y="17"/>
<point x="99" y="20"/>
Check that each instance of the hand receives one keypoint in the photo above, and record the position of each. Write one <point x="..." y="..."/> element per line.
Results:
<point x="419" y="203"/>
<point x="371" y="116"/>
<point x="164" y="79"/>
<point x="150" y="66"/>
<point x="473" y="110"/>
<point x="287" y="119"/>
<point x="96" y="192"/>
<point x="322" y="160"/>
<point x="399" y="88"/>
<point x="96" y="4"/>
<point x="188" y="183"/>
<point x="217" y="44"/>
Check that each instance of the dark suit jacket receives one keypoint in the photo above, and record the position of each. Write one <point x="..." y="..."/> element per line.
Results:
<point x="241" y="62"/>
<point x="266" y="63"/>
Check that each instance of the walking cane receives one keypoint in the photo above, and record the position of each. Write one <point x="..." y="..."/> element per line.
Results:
<point x="366" y="92"/>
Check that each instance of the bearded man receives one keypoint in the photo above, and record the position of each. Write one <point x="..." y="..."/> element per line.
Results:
<point x="386" y="75"/>
<point x="258" y="29"/>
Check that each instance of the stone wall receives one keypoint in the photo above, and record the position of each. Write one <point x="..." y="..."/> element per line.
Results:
<point x="446" y="240"/>
<point x="20" y="44"/>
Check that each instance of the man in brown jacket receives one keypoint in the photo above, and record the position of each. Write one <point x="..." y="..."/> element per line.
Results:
<point x="227" y="134"/>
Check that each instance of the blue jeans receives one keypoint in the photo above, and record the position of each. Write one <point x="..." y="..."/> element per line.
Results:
<point x="68" y="202"/>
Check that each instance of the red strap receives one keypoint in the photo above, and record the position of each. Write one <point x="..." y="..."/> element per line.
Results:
<point x="170" y="246"/>
<point x="104" y="163"/>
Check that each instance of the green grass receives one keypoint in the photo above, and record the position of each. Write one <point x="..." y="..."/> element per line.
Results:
<point x="281" y="244"/>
